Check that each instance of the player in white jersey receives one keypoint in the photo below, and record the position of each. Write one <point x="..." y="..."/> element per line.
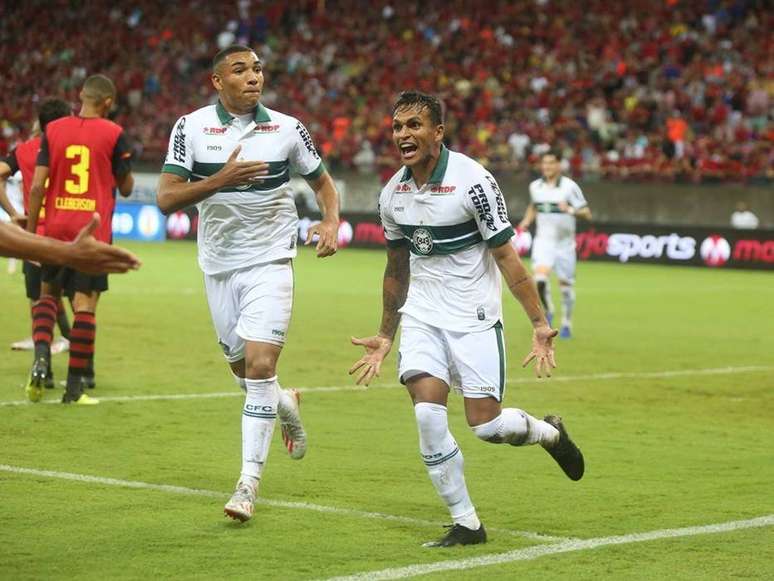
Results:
<point x="556" y="201"/>
<point x="448" y="243"/>
<point x="233" y="160"/>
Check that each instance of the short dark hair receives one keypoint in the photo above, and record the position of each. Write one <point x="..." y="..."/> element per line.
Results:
<point x="552" y="151"/>
<point x="421" y="101"/>
<point x="231" y="49"/>
<point x="52" y="109"/>
<point x="99" y="88"/>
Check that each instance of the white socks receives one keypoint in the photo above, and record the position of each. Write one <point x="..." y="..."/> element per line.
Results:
<point x="444" y="462"/>
<point x="568" y="302"/>
<point x="258" y="417"/>
<point x="285" y="399"/>
<point x="517" y="428"/>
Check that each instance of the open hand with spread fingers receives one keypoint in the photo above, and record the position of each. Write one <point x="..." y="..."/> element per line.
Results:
<point x="369" y="365"/>
<point x="542" y="351"/>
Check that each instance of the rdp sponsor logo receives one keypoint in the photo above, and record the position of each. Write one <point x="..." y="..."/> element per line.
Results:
<point x="754" y="251"/>
<point x="626" y="246"/>
<point x="715" y="250"/>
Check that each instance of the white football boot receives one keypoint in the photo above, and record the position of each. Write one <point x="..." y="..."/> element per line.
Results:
<point x="242" y="503"/>
<point x="293" y="434"/>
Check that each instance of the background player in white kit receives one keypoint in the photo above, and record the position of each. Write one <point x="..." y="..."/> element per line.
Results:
<point x="247" y="238"/>
<point x="556" y="201"/>
<point x="448" y="237"/>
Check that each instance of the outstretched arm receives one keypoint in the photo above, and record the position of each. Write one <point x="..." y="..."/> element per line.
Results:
<point x="394" y="290"/>
<point x="522" y="286"/>
<point x="84" y="254"/>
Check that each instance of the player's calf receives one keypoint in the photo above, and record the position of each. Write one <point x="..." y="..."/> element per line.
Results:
<point x="517" y="428"/>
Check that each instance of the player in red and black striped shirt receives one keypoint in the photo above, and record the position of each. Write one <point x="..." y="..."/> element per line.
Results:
<point x="23" y="158"/>
<point x="85" y="157"/>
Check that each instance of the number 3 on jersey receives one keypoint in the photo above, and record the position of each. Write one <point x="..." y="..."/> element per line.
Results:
<point x="80" y="169"/>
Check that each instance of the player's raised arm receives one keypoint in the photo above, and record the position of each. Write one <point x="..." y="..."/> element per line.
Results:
<point x="394" y="290"/>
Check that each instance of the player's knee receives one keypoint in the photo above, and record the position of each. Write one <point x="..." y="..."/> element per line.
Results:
<point x="260" y="367"/>
<point x="431" y="421"/>
<point x="490" y="431"/>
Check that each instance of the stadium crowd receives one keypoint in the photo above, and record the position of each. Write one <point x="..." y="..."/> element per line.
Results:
<point x="664" y="90"/>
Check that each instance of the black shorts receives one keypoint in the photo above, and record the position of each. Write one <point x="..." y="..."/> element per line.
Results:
<point x="32" y="280"/>
<point x="72" y="281"/>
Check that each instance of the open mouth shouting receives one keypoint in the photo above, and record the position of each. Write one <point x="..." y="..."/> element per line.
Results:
<point x="408" y="150"/>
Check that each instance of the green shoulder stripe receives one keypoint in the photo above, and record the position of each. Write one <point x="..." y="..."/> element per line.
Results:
<point x="178" y="170"/>
<point x="500" y="238"/>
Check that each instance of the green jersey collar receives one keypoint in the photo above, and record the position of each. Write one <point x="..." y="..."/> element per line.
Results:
<point x="438" y="172"/>
<point x="261" y="114"/>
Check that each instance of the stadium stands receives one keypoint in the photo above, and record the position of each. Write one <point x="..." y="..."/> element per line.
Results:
<point x="669" y="90"/>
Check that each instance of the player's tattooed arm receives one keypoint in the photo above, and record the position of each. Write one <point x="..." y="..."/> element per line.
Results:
<point x="395" y="289"/>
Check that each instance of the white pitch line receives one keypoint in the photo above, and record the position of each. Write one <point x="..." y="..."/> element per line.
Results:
<point x="569" y="546"/>
<point x="260" y="500"/>
<point x="512" y="380"/>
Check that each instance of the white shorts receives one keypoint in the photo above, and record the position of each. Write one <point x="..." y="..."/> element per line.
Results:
<point x="251" y="304"/>
<point x="559" y="256"/>
<point x="471" y="363"/>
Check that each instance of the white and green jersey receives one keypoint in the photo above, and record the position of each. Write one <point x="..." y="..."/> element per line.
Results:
<point x="552" y="224"/>
<point x="246" y="225"/>
<point x="449" y="224"/>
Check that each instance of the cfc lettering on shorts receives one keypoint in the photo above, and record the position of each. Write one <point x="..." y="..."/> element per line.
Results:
<point x="76" y="204"/>
<point x="502" y="212"/>
<point x="481" y="204"/>
<point x="307" y="139"/>
<point x="277" y="333"/>
<point x="178" y="146"/>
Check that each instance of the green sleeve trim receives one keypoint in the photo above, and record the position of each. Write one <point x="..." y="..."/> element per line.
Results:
<point x="316" y="173"/>
<point x="177" y="170"/>
<point x="397" y="243"/>
<point x="500" y="238"/>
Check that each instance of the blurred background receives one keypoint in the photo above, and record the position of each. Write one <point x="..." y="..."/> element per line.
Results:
<point x="662" y="109"/>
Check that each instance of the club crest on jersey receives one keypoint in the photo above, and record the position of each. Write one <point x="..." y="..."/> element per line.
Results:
<point x="423" y="241"/>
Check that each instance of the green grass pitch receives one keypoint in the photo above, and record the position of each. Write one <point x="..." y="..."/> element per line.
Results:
<point x="663" y="450"/>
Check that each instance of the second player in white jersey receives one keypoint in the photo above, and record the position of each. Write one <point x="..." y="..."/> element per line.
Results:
<point x="233" y="160"/>
<point x="200" y="146"/>
<point x="555" y="203"/>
